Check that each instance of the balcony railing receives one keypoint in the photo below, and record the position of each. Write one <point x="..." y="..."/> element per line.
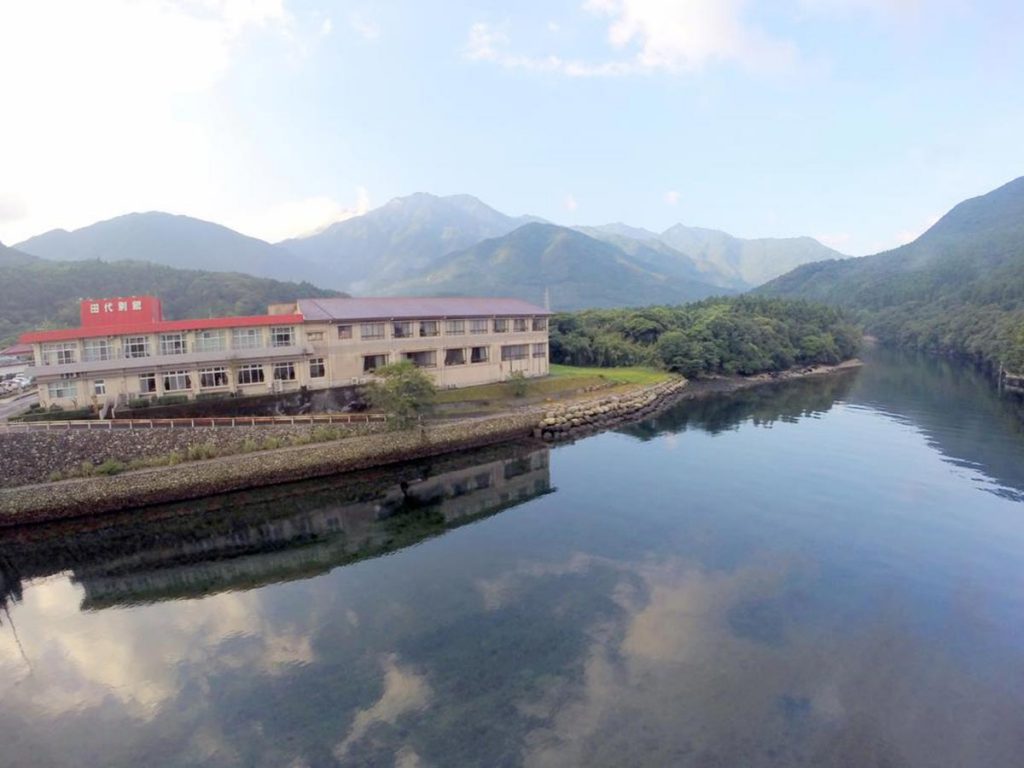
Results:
<point x="117" y="359"/>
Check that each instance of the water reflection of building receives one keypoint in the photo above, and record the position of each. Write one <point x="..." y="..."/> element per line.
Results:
<point x="311" y="532"/>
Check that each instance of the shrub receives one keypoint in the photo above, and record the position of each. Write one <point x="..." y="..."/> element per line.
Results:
<point x="171" y="399"/>
<point x="518" y="384"/>
<point x="402" y="391"/>
<point x="110" y="467"/>
<point x="201" y="451"/>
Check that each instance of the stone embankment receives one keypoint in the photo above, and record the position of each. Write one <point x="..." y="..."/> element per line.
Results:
<point x="33" y="457"/>
<point x="198" y="479"/>
<point x="579" y="419"/>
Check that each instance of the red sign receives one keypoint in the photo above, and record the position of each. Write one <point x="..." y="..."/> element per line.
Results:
<point x="123" y="310"/>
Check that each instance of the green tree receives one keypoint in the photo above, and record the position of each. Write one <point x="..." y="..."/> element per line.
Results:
<point x="402" y="391"/>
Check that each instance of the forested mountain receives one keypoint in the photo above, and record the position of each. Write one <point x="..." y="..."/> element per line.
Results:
<point x="174" y="241"/>
<point x="45" y="294"/>
<point x="10" y="257"/>
<point x="744" y="263"/>
<point x="577" y="271"/>
<point x="957" y="289"/>
<point x="744" y="335"/>
<point x="653" y="252"/>
<point x="393" y="242"/>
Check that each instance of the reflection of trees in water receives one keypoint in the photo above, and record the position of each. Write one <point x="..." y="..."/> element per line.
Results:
<point x="955" y="406"/>
<point x="766" y="404"/>
<point x="247" y="539"/>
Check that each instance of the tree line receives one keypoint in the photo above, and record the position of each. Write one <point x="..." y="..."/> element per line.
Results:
<point x="734" y="335"/>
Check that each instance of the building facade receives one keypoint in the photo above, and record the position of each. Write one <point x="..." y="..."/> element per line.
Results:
<point x="125" y="351"/>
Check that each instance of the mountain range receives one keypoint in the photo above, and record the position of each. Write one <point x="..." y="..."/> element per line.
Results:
<point x="547" y="263"/>
<point x="418" y="244"/>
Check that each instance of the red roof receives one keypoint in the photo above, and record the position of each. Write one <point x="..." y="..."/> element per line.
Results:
<point x="162" y="326"/>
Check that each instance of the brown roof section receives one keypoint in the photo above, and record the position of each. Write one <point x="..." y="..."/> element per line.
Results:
<point x="412" y="307"/>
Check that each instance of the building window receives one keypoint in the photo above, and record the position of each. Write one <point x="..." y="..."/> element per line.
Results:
<point x="429" y="328"/>
<point x="478" y="326"/>
<point x="97" y="350"/>
<point x="147" y="382"/>
<point x="540" y="350"/>
<point x="213" y="377"/>
<point x="210" y="341"/>
<point x="250" y="374"/>
<point x="172" y="344"/>
<point x="345" y="332"/>
<point x="402" y="330"/>
<point x="540" y="323"/>
<point x="62" y="389"/>
<point x="99" y="387"/>
<point x="455" y="357"/>
<point x="519" y="325"/>
<point x="479" y="354"/>
<point x="284" y="371"/>
<point x="501" y="325"/>
<point x="136" y="346"/>
<point x="246" y="338"/>
<point x="426" y="359"/>
<point x="62" y="353"/>
<point x="515" y="352"/>
<point x="371" y="331"/>
<point x="176" y="381"/>
<point x="314" y="335"/>
<point x="282" y="336"/>
<point x="317" y="370"/>
<point x="372" y="362"/>
<point x="455" y="327"/>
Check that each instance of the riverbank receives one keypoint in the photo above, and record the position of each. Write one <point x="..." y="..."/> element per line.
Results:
<point x="193" y="480"/>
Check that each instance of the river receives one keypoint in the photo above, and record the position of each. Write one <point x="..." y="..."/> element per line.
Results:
<point x="827" y="572"/>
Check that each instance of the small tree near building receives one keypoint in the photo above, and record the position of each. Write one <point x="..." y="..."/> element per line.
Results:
<point x="402" y="391"/>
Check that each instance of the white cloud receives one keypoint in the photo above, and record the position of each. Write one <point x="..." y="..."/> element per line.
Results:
<point x="681" y="35"/>
<point x="106" y="99"/>
<point x="295" y="218"/>
<point x="671" y="36"/>
<point x="364" y="27"/>
<point x="570" y="203"/>
<point x="405" y="690"/>
<point x="876" y="7"/>
<point x="326" y="27"/>
<point x="672" y="197"/>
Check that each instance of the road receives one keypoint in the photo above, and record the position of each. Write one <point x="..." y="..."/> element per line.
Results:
<point x="16" y="405"/>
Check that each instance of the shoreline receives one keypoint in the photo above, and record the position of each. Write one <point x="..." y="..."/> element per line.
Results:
<point x="84" y="497"/>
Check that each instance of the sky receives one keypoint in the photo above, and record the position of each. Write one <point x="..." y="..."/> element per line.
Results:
<point x="858" y="122"/>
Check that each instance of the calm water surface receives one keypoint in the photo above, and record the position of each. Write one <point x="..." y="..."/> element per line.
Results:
<point x="826" y="573"/>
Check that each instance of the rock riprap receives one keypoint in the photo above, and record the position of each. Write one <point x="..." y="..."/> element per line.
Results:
<point x="579" y="419"/>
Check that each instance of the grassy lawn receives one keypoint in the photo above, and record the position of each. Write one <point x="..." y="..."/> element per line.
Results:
<point x="633" y="375"/>
<point x="564" y="379"/>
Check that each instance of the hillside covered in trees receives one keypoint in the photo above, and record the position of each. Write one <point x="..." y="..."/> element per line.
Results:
<point x="741" y="335"/>
<point x="957" y="290"/>
<point x="35" y="293"/>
